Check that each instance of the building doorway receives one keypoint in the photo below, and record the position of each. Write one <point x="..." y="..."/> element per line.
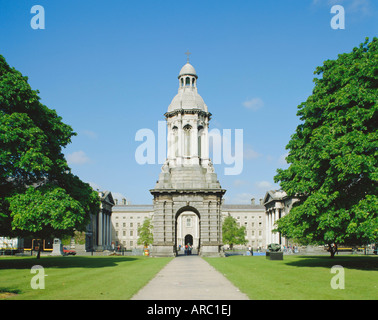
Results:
<point x="189" y="240"/>
<point x="187" y="230"/>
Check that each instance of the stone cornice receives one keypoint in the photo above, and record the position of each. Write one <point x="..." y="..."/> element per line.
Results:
<point x="187" y="111"/>
<point x="184" y="191"/>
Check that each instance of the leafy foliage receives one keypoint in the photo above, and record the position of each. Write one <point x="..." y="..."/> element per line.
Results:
<point x="145" y="233"/>
<point x="38" y="194"/>
<point x="334" y="152"/>
<point x="232" y="233"/>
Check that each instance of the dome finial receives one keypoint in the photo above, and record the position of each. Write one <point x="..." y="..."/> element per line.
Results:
<point x="187" y="54"/>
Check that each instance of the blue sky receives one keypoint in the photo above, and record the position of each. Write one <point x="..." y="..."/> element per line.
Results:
<point x="110" y="68"/>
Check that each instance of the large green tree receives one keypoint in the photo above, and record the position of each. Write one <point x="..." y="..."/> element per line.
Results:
<point x="231" y="233"/>
<point x="39" y="196"/>
<point x="333" y="155"/>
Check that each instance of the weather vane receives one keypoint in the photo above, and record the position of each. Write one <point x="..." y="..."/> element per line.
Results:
<point x="187" y="54"/>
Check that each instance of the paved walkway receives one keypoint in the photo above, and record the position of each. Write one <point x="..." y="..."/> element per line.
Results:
<point x="189" y="278"/>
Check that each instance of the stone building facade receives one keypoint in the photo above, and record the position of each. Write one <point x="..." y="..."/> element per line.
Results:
<point x="98" y="236"/>
<point x="126" y="219"/>
<point x="277" y="204"/>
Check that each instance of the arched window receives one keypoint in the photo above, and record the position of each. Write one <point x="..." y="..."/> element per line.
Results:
<point x="187" y="81"/>
<point x="194" y="80"/>
<point x="182" y="82"/>
<point x="187" y="133"/>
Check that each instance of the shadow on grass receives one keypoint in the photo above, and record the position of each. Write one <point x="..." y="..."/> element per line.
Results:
<point x="63" y="262"/>
<point x="369" y="263"/>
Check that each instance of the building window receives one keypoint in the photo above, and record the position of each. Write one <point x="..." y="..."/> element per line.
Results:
<point x="188" y="222"/>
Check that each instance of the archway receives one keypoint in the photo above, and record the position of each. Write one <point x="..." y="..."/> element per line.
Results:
<point x="187" y="230"/>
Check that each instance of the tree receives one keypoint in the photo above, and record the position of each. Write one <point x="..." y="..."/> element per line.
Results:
<point x="145" y="233"/>
<point x="232" y="233"/>
<point x="39" y="196"/>
<point x="333" y="155"/>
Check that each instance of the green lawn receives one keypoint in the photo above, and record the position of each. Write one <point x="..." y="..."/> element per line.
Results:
<point x="105" y="277"/>
<point x="301" y="277"/>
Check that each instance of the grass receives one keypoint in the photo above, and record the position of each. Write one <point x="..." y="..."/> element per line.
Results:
<point x="120" y="277"/>
<point x="78" y="278"/>
<point x="301" y="277"/>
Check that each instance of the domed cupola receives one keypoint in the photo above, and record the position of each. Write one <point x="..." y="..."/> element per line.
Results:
<point x="187" y="96"/>
<point x="188" y="70"/>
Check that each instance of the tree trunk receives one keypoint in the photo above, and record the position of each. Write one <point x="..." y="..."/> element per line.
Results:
<point x="39" y="248"/>
<point x="332" y="248"/>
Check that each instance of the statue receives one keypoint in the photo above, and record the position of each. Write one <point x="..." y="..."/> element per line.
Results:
<point x="274" y="247"/>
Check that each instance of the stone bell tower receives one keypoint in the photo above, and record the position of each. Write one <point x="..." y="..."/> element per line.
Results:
<point x="187" y="181"/>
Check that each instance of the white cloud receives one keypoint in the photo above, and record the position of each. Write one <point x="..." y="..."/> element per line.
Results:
<point x="253" y="104"/>
<point x="77" y="157"/>
<point x="240" y="183"/>
<point x="264" y="185"/>
<point x="90" y="134"/>
<point x="249" y="153"/>
<point x="362" y="7"/>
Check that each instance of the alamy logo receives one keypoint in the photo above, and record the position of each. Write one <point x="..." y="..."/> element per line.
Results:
<point x="338" y="280"/>
<point x="338" y="20"/>
<point x="38" y="281"/>
<point x="226" y="147"/>
<point x="38" y="21"/>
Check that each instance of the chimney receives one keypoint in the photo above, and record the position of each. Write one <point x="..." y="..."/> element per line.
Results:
<point x="116" y="201"/>
<point x="124" y="201"/>
<point x="261" y="202"/>
<point x="253" y="201"/>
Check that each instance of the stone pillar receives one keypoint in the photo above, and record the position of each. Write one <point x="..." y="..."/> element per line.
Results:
<point x="194" y="144"/>
<point x="99" y="235"/>
<point x="180" y="143"/>
<point x="267" y="227"/>
<point x="205" y="144"/>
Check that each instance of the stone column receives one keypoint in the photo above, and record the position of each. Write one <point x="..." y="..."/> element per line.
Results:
<point x="267" y="227"/>
<point x="109" y="231"/>
<point x="99" y="235"/>
<point x="194" y="143"/>
<point x="180" y="142"/>
<point x="170" y="141"/>
<point x="277" y="217"/>
<point x="205" y="144"/>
